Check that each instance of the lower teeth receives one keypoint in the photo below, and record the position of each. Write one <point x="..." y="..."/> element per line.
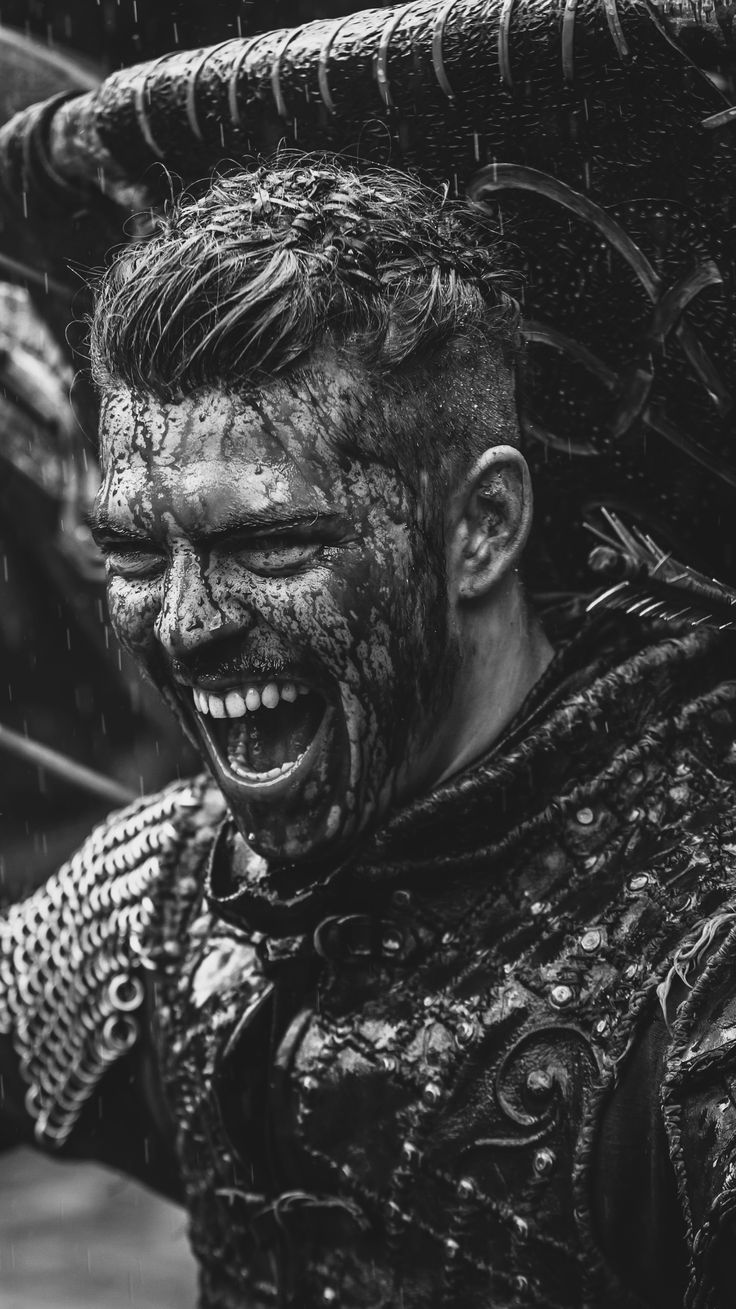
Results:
<point x="270" y="743"/>
<point x="238" y="766"/>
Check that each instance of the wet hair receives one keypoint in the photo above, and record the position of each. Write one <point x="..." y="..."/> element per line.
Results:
<point x="246" y="279"/>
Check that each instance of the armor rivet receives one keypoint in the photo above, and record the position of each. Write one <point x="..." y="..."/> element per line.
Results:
<point x="638" y="882"/>
<point x="591" y="940"/>
<point x="561" y="995"/>
<point x="465" y="1032"/>
<point x="466" y="1188"/>
<point x="585" y="816"/>
<point x="601" y="1026"/>
<point x="544" y="1162"/>
<point x="521" y="1283"/>
<point x="520" y="1227"/>
<point x="452" y="1249"/>
<point x="636" y="776"/>
<point x="329" y="1295"/>
<point x="401" y="899"/>
<point x="432" y="1094"/>
<point x="392" y="941"/>
<point x="539" y="1083"/>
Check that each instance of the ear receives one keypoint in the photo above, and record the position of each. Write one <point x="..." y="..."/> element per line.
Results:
<point x="490" y="519"/>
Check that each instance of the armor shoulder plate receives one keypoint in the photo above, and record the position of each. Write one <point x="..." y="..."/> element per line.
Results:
<point x="72" y="956"/>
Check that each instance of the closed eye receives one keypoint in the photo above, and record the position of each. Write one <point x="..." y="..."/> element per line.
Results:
<point x="277" y="556"/>
<point x="133" y="563"/>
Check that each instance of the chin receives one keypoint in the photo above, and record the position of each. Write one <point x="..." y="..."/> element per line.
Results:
<point x="297" y="843"/>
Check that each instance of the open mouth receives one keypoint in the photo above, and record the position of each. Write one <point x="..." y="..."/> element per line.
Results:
<point x="264" y="733"/>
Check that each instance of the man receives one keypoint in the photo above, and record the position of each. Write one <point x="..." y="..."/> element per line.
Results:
<point x="396" y="998"/>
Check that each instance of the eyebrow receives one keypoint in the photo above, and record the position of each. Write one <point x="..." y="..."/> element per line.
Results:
<point x="106" y="532"/>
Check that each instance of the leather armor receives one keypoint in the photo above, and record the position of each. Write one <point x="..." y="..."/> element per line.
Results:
<point x="394" y="1094"/>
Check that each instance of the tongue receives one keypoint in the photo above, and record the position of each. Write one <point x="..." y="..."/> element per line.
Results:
<point x="269" y="738"/>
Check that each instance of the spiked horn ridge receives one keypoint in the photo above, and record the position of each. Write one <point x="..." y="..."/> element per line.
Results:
<point x="651" y="584"/>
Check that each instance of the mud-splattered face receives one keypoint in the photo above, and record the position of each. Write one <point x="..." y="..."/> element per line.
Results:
<point x="285" y="592"/>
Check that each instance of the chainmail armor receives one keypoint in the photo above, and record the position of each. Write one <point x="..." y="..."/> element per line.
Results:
<point x="72" y="958"/>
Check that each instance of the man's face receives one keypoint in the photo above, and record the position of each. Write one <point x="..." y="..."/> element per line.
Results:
<point x="285" y="591"/>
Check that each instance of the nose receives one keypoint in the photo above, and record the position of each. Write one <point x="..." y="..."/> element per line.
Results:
<point x="193" y="611"/>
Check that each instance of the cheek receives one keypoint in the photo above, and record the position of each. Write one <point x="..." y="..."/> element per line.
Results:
<point x="309" y="611"/>
<point x="133" y="612"/>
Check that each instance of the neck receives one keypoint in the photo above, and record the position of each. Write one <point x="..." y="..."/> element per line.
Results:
<point x="506" y="652"/>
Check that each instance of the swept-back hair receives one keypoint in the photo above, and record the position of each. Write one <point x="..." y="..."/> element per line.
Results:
<point x="246" y="279"/>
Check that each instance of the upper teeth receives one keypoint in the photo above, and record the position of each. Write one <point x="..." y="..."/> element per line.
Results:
<point x="236" y="703"/>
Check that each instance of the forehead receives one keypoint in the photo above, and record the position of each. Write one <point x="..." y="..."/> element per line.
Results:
<point x="217" y="449"/>
<point x="285" y="420"/>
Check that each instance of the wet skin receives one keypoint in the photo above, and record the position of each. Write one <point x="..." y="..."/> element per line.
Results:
<point x="247" y="542"/>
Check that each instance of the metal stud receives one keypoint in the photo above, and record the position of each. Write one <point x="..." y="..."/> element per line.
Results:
<point x="464" y="1033"/>
<point x="432" y="1094"/>
<point x="539" y="1083"/>
<point x="545" y="1162"/>
<point x="392" y="941"/>
<point x="638" y="882"/>
<point x="591" y="940"/>
<point x="561" y="995"/>
<point x="585" y="816"/>
<point x="466" y="1188"/>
